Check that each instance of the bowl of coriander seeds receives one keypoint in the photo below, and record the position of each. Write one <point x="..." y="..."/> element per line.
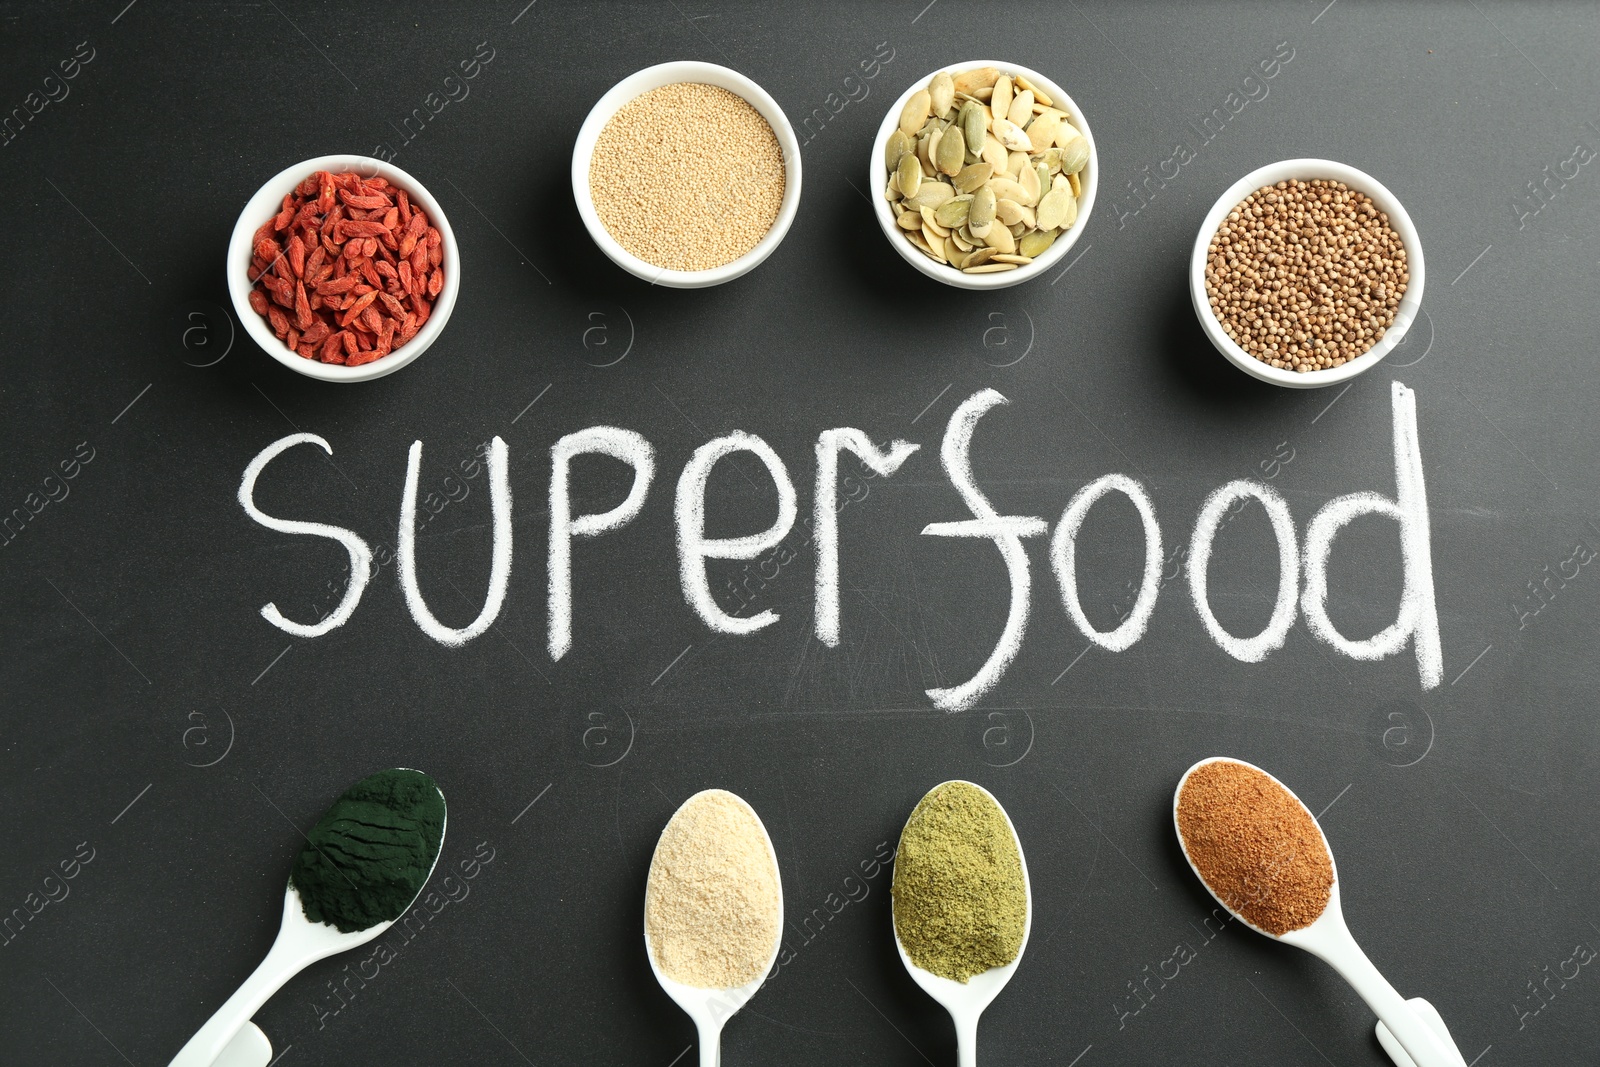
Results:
<point x="686" y="174"/>
<point x="1306" y="273"/>
<point x="985" y="173"/>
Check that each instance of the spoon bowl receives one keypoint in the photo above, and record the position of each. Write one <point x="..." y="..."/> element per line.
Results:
<point x="300" y="943"/>
<point x="710" y="1009"/>
<point x="966" y="1001"/>
<point x="1329" y="939"/>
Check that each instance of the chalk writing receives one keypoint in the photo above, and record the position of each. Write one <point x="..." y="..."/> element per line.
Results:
<point x="1302" y="561"/>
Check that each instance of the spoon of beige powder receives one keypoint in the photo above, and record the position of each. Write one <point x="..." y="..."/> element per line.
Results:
<point x="713" y="911"/>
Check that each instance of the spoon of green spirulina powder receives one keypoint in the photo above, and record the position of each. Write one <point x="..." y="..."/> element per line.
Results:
<point x="361" y="867"/>
<point x="962" y="905"/>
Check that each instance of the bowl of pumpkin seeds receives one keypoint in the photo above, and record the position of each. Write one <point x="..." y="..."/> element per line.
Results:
<point x="986" y="173"/>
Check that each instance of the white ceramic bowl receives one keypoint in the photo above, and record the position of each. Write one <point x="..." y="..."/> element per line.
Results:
<point x="267" y="202"/>
<point x="878" y="177"/>
<point x="655" y="77"/>
<point x="1307" y="170"/>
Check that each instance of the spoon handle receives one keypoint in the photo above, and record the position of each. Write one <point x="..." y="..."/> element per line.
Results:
<point x="710" y="1031"/>
<point x="1414" y="1035"/>
<point x="280" y="964"/>
<point x="966" y="1039"/>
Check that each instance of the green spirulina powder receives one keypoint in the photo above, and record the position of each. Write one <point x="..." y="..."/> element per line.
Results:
<point x="366" y="859"/>
<point x="960" y="901"/>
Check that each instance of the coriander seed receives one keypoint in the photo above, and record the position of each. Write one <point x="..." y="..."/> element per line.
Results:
<point x="1306" y="276"/>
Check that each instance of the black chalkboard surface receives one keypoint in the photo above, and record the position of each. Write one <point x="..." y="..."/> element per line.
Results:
<point x="167" y="746"/>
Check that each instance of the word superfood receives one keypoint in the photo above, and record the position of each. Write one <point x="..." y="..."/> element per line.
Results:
<point x="1302" y="562"/>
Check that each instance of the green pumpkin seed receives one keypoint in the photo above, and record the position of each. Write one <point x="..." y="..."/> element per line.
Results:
<point x="1000" y="239"/>
<point x="982" y="211"/>
<point x="1028" y="178"/>
<point x="1011" y="135"/>
<point x="1042" y="131"/>
<point x="1021" y="109"/>
<point x="1039" y="95"/>
<point x="972" y="176"/>
<point x="922" y="245"/>
<point x="909" y="175"/>
<point x="941" y="92"/>
<point x="1014" y="214"/>
<point x="970" y="81"/>
<point x="1053" y="208"/>
<point x="1000" y="100"/>
<point x="984" y="170"/>
<point x="1033" y="244"/>
<point x="973" y="127"/>
<point x="915" y="113"/>
<point x="899" y="144"/>
<point x="1074" y="154"/>
<point x="953" y="212"/>
<point x="1072" y="213"/>
<point x="1012" y="191"/>
<point x="994" y="153"/>
<point x="930" y="194"/>
<point x="952" y="151"/>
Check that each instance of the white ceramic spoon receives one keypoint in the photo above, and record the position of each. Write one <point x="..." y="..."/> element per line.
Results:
<point x="1329" y="939"/>
<point x="249" y="1048"/>
<point x="711" y="1008"/>
<point x="965" y="1001"/>
<point x="300" y="943"/>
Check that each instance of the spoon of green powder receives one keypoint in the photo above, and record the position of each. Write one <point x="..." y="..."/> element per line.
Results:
<point x="360" y="869"/>
<point x="962" y="903"/>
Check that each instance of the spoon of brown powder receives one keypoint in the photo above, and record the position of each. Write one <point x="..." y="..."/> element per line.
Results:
<point x="1261" y="854"/>
<point x="713" y="911"/>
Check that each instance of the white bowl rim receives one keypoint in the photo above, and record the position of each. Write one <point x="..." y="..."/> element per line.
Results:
<point x="949" y="275"/>
<point x="671" y="73"/>
<point x="1308" y="169"/>
<point x="258" y="210"/>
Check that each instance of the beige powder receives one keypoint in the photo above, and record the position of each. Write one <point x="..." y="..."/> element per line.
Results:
<point x="712" y="901"/>
<point x="687" y="176"/>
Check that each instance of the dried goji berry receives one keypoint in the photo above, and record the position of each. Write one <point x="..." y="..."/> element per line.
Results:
<point x="302" y="307"/>
<point x="345" y="269"/>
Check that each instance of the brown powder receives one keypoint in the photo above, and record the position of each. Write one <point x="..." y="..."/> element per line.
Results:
<point x="711" y="903"/>
<point x="687" y="176"/>
<point x="1256" y="847"/>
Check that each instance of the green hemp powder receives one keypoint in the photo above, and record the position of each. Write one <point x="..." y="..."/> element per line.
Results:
<point x="366" y="859"/>
<point x="960" y="900"/>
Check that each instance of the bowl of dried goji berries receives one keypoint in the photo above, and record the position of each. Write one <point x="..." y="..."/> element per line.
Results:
<point x="343" y="268"/>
